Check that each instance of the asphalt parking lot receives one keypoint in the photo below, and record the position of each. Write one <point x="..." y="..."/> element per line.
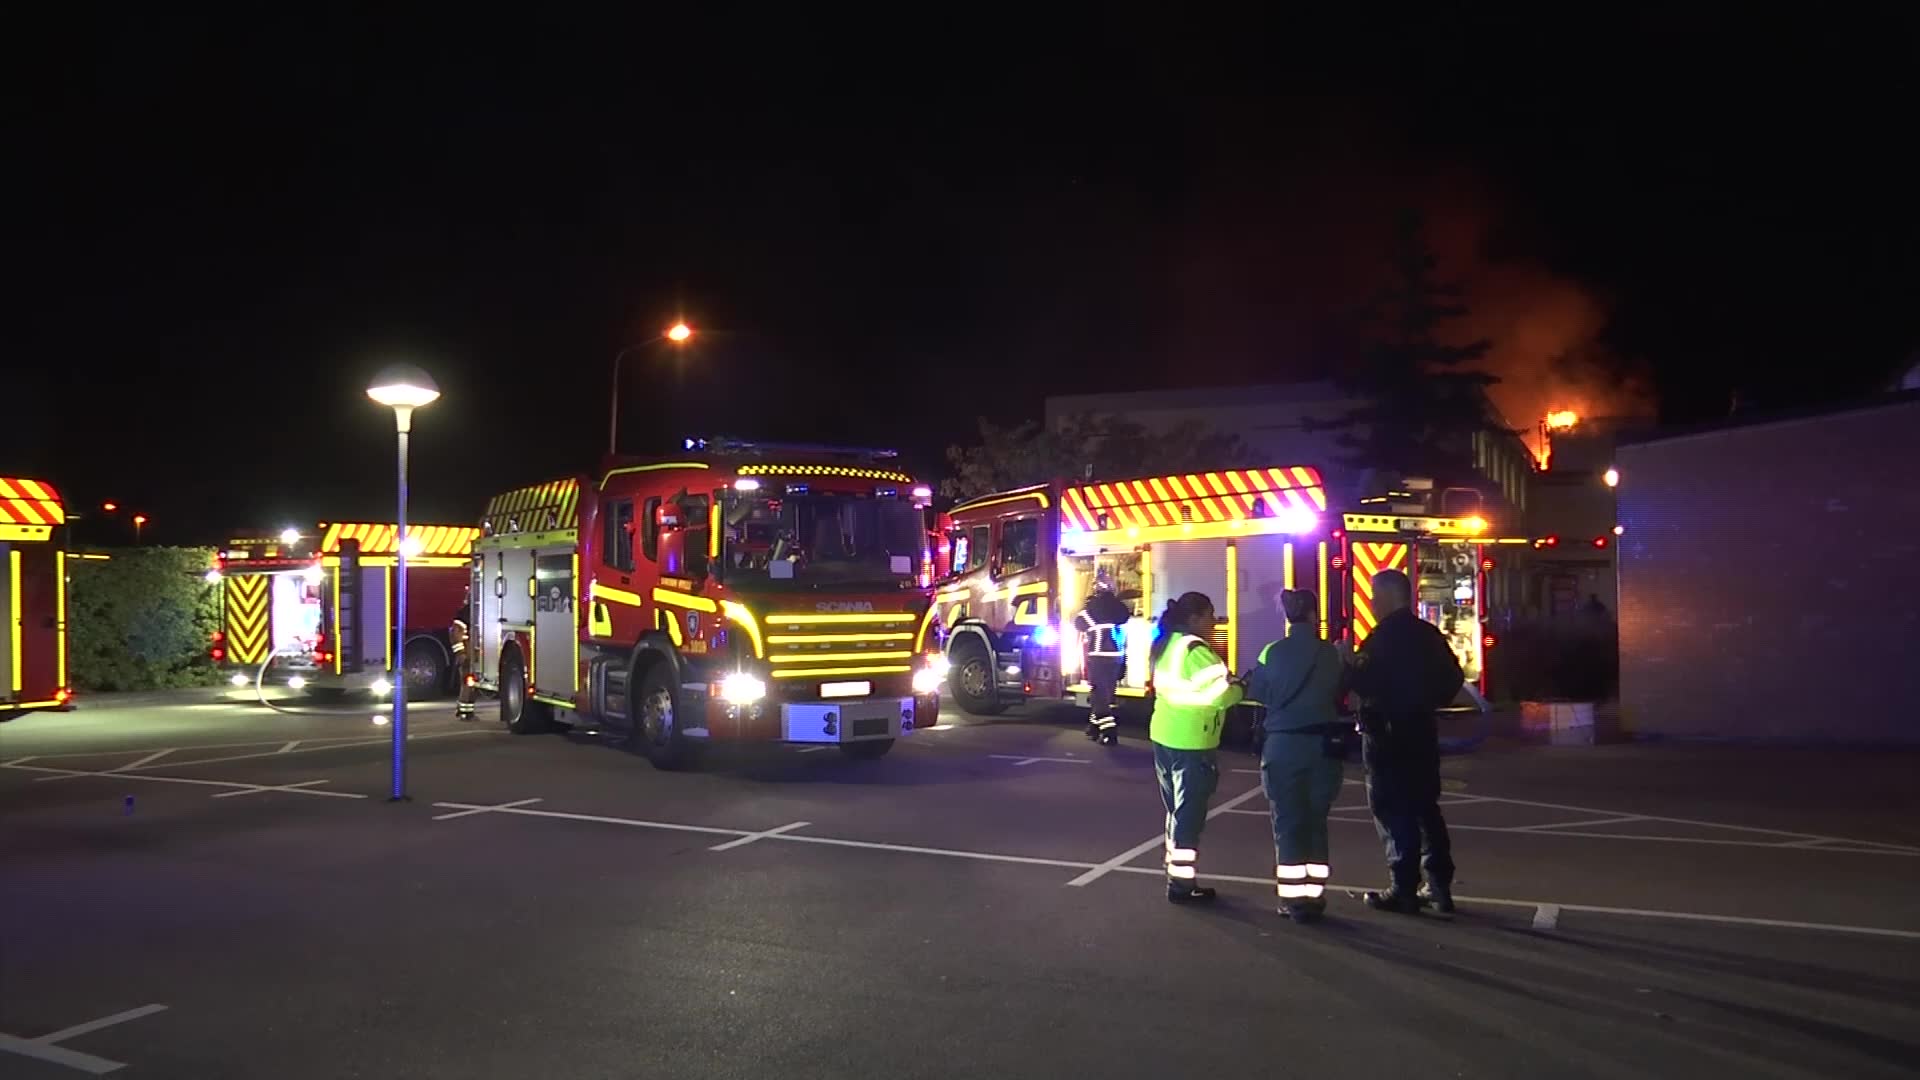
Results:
<point x="213" y="889"/>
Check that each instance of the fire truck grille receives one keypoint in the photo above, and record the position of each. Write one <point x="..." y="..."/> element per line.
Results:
<point x="802" y="646"/>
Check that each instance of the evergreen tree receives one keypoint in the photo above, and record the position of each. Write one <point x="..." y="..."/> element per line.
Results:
<point x="1422" y="399"/>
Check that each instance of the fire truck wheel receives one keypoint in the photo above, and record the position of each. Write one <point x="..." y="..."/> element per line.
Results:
<point x="868" y="750"/>
<point x="657" y="720"/>
<point x="519" y="712"/>
<point x="425" y="668"/>
<point x="971" y="680"/>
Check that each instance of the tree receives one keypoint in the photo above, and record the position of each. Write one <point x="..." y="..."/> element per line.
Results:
<point x="1423" y="399"/>
<point x="142" y="620"/>
<point x="1111" y="446"/>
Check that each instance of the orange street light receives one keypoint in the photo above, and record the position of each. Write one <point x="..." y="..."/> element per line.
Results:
<point x="139" y="522"/>
<point x="679" y="334"/>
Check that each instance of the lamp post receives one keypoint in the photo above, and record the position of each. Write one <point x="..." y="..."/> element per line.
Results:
<point x="402" y="388"/>
<point x="679" y="334"/>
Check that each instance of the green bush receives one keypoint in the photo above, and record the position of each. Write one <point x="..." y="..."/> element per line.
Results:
<point x="142" y="620"/>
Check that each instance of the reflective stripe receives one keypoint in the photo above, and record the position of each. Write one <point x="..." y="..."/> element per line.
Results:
<point x="1105" y="722"/>
<point x="1293" y="872"/>
<point x="1318" y="870"/>
<point x="1180" y="870"/>
<point x="1315" y="890"/>
<point x="1182" y="854"/>
<point x="1298" y="892"/>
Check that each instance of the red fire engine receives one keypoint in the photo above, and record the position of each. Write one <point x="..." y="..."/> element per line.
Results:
<point x="33" y="595"/>
<point x="738" y="592"/>
<point x="325" y="613"/>
<point x="1022" y="563"/>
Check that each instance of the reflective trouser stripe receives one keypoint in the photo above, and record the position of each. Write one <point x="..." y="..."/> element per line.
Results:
<point x="1294" y="883"/>
<point x="1181" y="860"/>
<point x="1105" y="722"/>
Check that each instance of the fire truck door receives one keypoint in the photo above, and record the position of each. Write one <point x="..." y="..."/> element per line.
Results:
<point x="554" y="634"/>
<point x="27" y="597"/>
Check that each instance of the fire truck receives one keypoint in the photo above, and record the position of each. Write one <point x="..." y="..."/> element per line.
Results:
<point x="738" y="592"/>
<point x="33" y="594"/>
<point x="1022" y="563"/>
<point x="325" y="613"/>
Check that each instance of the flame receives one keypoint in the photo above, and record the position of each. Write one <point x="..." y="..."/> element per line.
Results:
<point x="1562" y="420"/>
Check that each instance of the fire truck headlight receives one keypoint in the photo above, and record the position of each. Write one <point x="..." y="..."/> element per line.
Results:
<point x="927" y="680"/>
<point x="938" y="664"/>
<point x="212" y="577"/>
<point x="1045" y="634"/>
<point x="237" y="679"/>
<point x="297" y="683"/>
<point x="381" y="688"/>
<point x="741" y="688"/>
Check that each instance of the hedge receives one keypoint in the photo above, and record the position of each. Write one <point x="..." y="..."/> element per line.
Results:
<point x="141" y="620"/>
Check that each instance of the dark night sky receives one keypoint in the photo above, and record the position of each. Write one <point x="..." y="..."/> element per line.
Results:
<point x="223" y="227"/>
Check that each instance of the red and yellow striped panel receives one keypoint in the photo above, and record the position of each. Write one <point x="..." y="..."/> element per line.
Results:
<point x="540" y="508"/>
<point x="29" y="502"/>
<point x="1368" y="560"/>
<point x="378" y="539"/>
<point x="1232" y="495"/>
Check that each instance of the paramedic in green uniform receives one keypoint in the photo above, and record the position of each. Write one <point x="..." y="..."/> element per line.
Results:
<point x="1191" y="690"/>
<point x="1299" y="680"/>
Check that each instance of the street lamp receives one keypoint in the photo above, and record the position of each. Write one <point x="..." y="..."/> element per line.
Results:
<point x="402" y="388"/>
<point x="679" y="334"/>
<point x="289" y="536"/>
<point x="139" y="523"/>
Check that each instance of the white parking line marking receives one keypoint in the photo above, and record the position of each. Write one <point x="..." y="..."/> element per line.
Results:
<point x="22" y="760"/>
<point x="470" y="811"/>
<point x="104" y="1022"/>
<point x="288" y="749"/>
<point x="1120" y="861"/>
<point x="1621" y="820"/>
<point x="1018" y="759"/>
<point x="1112" y="867"/>
<point x="155" y="756"/>
<point x="411" y="737"/>
<point x="248" y="789"/>
<point x="46" y="1048"/>
<point x="814" y="749"/>
<point x="751" y="837"/>
<point x="597" y="818"/>
<point x="295" y="788"/>
<point x="1546" y="917"/>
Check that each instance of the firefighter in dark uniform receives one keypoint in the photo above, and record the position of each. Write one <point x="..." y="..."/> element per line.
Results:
<point x="1403" y="674"/>
<point x="462" y="660"/>
<point x="1099" y="624"/>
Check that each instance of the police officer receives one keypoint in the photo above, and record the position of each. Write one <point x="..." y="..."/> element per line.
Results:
<point x="462" y="660"/>
<point x="1099" y="624"/>
<point x="1299" y="680"/>
<point x="1403" y="673"/>
<point x="1191" y="688"/>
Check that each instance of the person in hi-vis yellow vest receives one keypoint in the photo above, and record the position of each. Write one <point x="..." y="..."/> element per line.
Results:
<point x="1192" y="689"/>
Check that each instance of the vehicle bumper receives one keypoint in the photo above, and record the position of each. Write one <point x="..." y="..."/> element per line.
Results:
<point x="834" y="721"/>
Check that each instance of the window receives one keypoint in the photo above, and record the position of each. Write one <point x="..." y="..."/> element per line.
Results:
<point x="961" y="547"/>
<point x="979" y="546"/>
<point x="1019" y="545"/>
<point x="616" y="534"/>
<point x="650" y="531"/>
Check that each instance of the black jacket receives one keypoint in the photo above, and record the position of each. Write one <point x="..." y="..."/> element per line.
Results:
<point x="1106" y="610"/>
<point x="1403" y="674"/>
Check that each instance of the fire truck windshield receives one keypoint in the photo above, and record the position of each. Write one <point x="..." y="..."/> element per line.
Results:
<point x="822" y="541"/>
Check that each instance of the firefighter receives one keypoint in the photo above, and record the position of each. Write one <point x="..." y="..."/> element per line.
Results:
<point x="1403" y="674"/>
<point x="1192" y="688"/>
<point x="462" y="660"/>
<point x="1099" y="624"/>
<point x="1299" y="680"/>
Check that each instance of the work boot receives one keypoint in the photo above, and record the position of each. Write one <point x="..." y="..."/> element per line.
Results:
<point x="1302" y="911"/>
<point x="1438" y="897"/>
<point x="1109" y="737"/>
<point x="1093" y="730"/>
<point x="1189" y="894"/>
<point x="1399" y="903"/>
